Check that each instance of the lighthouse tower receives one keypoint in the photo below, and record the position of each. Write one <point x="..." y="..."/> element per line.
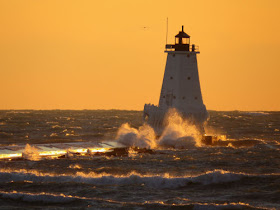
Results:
<point x="180" y="87"/>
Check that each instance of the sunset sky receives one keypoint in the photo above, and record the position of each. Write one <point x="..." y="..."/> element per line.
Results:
<point x="88" y="54"/>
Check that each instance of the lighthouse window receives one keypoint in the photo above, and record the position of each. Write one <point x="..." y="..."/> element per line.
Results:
<point x="174" y="97"/>
<point x="163" y="96"/>
<point x="183" y="97"/>
<point x="171" y="77"/>
<point x="188" y="55"/>
<point x="189" y="78"/>
<point x="173" y="55"/>
<point x="195" y="98"/>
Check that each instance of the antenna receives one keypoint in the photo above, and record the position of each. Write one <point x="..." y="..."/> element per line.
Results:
<point x="166" y="30"/>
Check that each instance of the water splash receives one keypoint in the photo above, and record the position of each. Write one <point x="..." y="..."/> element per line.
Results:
<point x="144" y="137"/>
<point x="31" y="153"/>
<point x="178" y="133"/>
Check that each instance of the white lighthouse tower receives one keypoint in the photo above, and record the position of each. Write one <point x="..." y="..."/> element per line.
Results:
<point x="180" y="87"/>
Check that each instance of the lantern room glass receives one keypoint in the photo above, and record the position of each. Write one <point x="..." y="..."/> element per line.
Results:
<point x="185" y="40"/>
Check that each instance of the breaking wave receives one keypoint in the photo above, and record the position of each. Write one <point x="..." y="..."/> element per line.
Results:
<point x="152" y="181"/>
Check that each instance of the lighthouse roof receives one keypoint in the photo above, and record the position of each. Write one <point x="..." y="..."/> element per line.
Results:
<point x="182" y="34"/>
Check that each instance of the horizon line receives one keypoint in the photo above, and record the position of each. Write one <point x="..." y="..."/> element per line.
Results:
<point x="113" y="109"/>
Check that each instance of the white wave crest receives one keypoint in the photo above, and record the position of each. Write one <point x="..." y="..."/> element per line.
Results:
<point x="186" y="204"/>
<point x="153" y="181"/>
<point x="256" y="113"/>
<point x="214" y="206"/>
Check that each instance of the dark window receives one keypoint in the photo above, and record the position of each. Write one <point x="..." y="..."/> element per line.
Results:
<point x="189" y="78"/>
<point x="195" y="98"/>
<point x="188" y="55"/>
<point x="173" y="55"/>
<point x="174" y="97"/>
<point x="163" y="96"/>
<point x="183" y="97"/>
<point x="171" y="77"/>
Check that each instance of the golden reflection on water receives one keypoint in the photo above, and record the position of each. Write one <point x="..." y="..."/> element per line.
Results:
<point x="35" y="153"/>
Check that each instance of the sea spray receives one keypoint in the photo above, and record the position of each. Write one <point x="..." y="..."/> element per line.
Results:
<point x="144" y="137"/>
<point x="178" y="133"/>
<point x="31" y="153"/>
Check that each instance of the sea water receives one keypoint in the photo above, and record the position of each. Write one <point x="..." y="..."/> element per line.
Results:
<point x="240" y="173"/>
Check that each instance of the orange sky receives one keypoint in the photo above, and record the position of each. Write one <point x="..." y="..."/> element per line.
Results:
<point x="69" y="54"/>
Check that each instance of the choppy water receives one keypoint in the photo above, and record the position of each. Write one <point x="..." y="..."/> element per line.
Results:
<point x="244" y="174"/>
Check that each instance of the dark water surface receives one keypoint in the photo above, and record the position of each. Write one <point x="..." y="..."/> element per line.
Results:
<point x="243" y="175"/>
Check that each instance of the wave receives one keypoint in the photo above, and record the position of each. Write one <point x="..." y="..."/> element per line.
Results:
<point x="44" y="198"/>
<point x="256" y="113"/>
<point x="152" y="181"/>
<point x="181" y="203"/>
<point x="202" y="206"/>
<point x="54" y="199"/>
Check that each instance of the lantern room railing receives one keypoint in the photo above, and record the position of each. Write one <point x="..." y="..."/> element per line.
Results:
<point x="190" y="48"/>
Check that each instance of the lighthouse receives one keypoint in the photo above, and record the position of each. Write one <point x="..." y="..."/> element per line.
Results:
<point x="180" y="87"/>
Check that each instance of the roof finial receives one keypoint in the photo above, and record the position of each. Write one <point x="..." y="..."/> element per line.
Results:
<point x="182" y="28"/>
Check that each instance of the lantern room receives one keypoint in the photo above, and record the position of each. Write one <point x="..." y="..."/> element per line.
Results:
<point x="182" y="41"/>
